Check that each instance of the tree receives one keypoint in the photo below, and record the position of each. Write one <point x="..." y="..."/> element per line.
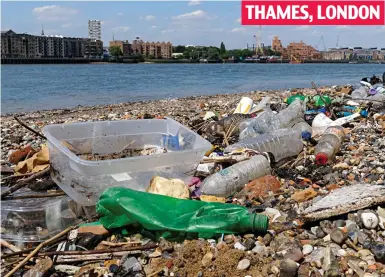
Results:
<point x="213" y="53"/>
<point x="186" y="54"/>
<point x="179" y="49"/>
<point x="115" y="51"/>
<point x="223" y="48"/>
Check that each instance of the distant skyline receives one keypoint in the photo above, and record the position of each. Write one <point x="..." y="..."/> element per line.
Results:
<point x="185" y="22"/>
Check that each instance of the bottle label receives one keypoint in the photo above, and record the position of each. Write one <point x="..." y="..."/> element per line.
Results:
<point x="336" y="131"/>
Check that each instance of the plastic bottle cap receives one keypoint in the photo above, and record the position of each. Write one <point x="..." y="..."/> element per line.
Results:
<point x="321" y="158"/>
<point x="306" y="135"/>
<point x="364" y="113"/>
<point x="259" y="223"/>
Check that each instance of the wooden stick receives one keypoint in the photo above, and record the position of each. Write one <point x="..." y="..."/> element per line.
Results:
<point x="29" y="128"/>
<point x="114" y="244"/>
<point x="33" y="253"/>
<point x="155" y="273"/>
<point x="9" y="246"/>
<point x="36" y="196"/>
<point x="100" y="251"/>
<point x="24" y="182"/>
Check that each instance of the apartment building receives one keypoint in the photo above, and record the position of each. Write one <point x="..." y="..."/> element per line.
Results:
<point x="301" y="51"/>
<point x="15" y="45"/>
<point x="95" y="29"/>
<point x="276" y="44"/>
<point x="157" y="50"/>
<point x="124" y="46"/>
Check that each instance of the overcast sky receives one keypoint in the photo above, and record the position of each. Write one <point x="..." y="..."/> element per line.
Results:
<point x="186" y="23"/>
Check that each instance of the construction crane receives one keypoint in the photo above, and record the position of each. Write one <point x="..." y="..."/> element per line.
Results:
<point x="338" y="38"/>
<point x="258" y="36"/>
<point x="321" y="40"/>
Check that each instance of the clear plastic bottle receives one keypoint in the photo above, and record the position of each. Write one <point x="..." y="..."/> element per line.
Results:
<point x="329" y="144"/>
<point x="232" y="179"/>
<point x="361" y="92"/>
<point x="268" y="121"/>
<point x="305" y="128"/>
<point x="281" y="143"/>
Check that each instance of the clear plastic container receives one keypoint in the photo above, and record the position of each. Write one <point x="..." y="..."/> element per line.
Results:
<point x="361" y="92"/>
<point x="84" y="180"/>
<point x="281" y="143"/>
<point x="329" y="144"/>
<point x="36" y="219"/>
<point x="235" y="177"/>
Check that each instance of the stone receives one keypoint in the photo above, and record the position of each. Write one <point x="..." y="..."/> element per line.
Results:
<point x="378" y="250"/>
<point x="370" y="220"/>
<point x="40" y="268"/>
<point x="239" y="246"/>
<point x="267" y="239"/>
<point x="294" y="254"/>
<point x="261" y="187"/>
<point x="132" y="265"/>
<point x="249" y="243"/>
<point x="307" y="249"/>
<point x="364" y="252"/>
<point x="338" y="236"/>
<point x="341" y="166"/>
<point x="340" y="223"/>
<point x="341" y="253"/>
<point x="157" y="253"/>
<point x="68" y="269"/>
<point x="261" y="250"/>
<point x="243" y="264"/>
<point x="320" y="233"/>
<point x="169" y="187"/>
<point x="304" y="195"/>
<point x="165" y="245"/>
<point x="288" y="268"/>
<point x="207" y="258"/>
<point x="362" y="237"/>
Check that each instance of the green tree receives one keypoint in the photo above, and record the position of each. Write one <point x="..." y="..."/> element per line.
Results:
<point x="115" y="51"/>
<point x="186" y="54"/>
<point x="179" y="49"/>
<point x="213" y="53"/>
<point x="222" y="48"/>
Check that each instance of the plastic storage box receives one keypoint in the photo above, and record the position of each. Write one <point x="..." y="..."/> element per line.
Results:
<point x="36" y="219"/>
<point x="84" y="180"/>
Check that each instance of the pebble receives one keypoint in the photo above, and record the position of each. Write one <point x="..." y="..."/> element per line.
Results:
<point x="249" y="243"/>
<point x="165" y="245"/>
<point x="243" y="264"/>
<point x="338" y="236"/>
<point x="239" y="246"/>
<point x="340" y="223"/>
<point x="307" y="249"/>
<point x="294" y="254"/>
<point x="207" y="258"/>
<point x="370" y="220"/>
<point x="378" y="250"/>
<point x="341" y="253"/>
<point x="288" y="268"/>
<point x="132" y="265"/>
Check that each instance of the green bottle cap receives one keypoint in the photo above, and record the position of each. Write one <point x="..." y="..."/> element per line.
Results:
<point x="259" y="223"/>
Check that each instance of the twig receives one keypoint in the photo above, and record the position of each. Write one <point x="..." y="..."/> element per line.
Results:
<point x="155" y="273"/>
<point x="114" y="244"/>
<point x="9" y="246"/>
<point x="100" y="251"/>
<point x="33" y="253"/>
<point x="24" y="182"/>
<point x="36" y="196"/>
<point x="29" y="128"/>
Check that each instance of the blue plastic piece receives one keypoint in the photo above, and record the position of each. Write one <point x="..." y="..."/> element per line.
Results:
<point x="306" y="135"/>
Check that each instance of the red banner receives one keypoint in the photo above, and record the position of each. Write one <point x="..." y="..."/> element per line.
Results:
<point x="313" y="12"/>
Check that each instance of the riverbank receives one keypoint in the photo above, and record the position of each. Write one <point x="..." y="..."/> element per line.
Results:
<point x="324" y="220"/>
<point x="166" y="61"/>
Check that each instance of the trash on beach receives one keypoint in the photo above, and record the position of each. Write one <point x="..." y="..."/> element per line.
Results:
<point x="321" y="122"/>
<point x="345" y="200"/>
<point x="244" y="106"/>
<point x="175" y="153"/>
<point x="38" y="162"/>
<point x="329" y="145"/>
<point x="120" y="207"/>
<point x="169" y="187"/>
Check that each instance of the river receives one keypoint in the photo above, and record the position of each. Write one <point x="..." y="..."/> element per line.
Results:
<point x="27" y="88"/>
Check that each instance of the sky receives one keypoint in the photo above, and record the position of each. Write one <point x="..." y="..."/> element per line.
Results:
<point x="180" y="22"/>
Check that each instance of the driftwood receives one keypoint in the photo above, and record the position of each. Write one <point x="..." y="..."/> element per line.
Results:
<point x="100" y="251"/>
<point x="345" y="200"/>
<point x="33" y="253"/>
<point x="11" y="247"/>
<point x="61" y="193"/>
<point x="24" y="182"/>
<point x="29" y="128"/>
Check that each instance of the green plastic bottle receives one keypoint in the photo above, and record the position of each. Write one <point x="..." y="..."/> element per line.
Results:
<point x="121" y="207"/>
<point x="294" y="97"/>
<point x="318" y="101"/>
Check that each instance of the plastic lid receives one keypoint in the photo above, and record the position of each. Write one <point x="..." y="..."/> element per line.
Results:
<point x="321" y="158"/>
<point x="364" y="113"/>
<point x="306" y="135"/>
<point x="259" y="223"/>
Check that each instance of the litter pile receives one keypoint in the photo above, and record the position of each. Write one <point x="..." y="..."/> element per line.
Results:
<point x="285" y="184"/>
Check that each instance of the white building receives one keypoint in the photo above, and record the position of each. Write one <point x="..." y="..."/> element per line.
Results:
<point x="95" y="29"/>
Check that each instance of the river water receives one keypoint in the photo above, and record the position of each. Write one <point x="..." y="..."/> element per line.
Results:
<point x="40" y="87"/>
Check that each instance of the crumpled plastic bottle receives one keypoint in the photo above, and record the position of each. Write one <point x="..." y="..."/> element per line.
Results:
<point x="232" y="179"/>
<point x="120" y="207"/>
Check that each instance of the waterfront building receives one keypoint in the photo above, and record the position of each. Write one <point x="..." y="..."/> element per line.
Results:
<point x="155" y="50"/>
<point x="137" y="46"/>
<point x="95" y="29"/>
<point x="15" y="45"/>
<point x="300" y="51"/>
<point x="124" y="46"/>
